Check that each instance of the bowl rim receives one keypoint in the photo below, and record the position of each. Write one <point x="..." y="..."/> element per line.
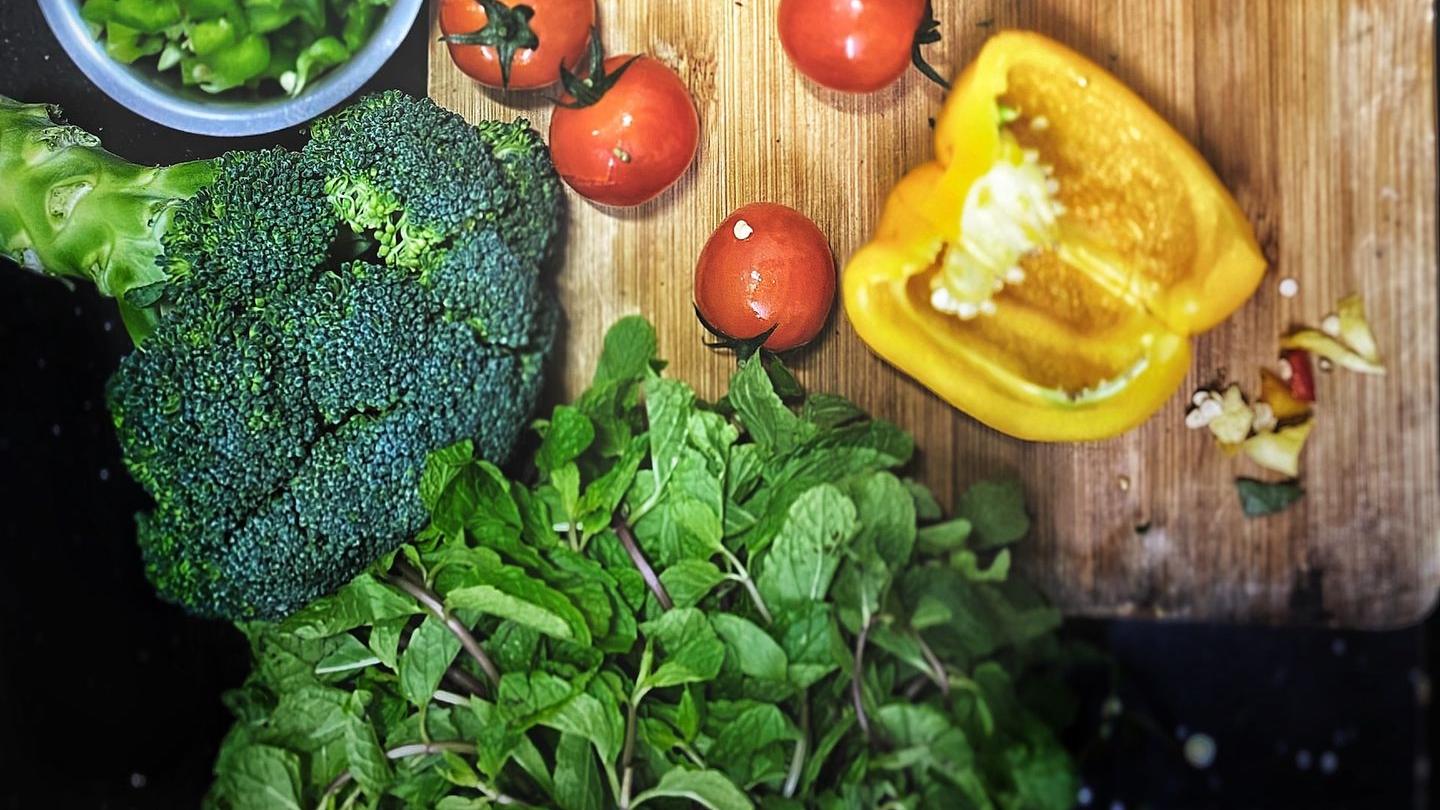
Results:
<point x="134" y="88"/>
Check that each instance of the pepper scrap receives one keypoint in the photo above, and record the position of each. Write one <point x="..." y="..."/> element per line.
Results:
<point x="1045" y="271"/>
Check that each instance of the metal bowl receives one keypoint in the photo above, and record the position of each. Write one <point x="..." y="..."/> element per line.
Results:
<point x="165" y="101"/>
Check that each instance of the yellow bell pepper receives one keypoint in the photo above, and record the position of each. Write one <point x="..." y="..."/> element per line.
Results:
<point x="1045" y="271"/>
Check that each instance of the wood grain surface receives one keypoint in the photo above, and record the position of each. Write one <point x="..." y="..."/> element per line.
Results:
<point x="1320" y="117"/>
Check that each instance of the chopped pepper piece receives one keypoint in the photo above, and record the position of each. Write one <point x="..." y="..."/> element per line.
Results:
<point x="1276" y="393"/>
<point x="1280" y="450"/>
<point x="1235" y="419"/>
<point x="1302" y="374"/>
<point x="1045" y="271"/>
<point x="1355" y="329"/>
<point x="1321" y="344"/>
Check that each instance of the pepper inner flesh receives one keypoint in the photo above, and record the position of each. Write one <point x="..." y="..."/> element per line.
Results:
<point x="1118" y="184"/>
<point x="1010" y="212"/>
<point x="1066" y="245"/>
<point x="1075" y="352"/>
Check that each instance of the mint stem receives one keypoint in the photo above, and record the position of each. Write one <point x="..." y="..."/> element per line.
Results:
<point x="917" y="683"/>
<point x="415" y="750"/>
<point x="797" y="762"/>
<point x="465" y="680"/>
<point x="442" y="696"/>
<point x="627" y="539"/>
<point x="855" y="691"/>
<point x="741" y="575"/>
<point x="627" y="778"/>
<point x="937" y="669"/>
<point x="692" y="754"/>
<point x="408" y="582"/>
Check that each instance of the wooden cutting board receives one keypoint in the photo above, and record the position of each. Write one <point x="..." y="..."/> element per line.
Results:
<point x="1320" y="117"/>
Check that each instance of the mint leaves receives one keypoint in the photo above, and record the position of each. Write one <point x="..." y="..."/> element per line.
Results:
<point x="730" y="606"/>
<point x="1262" y="498"/>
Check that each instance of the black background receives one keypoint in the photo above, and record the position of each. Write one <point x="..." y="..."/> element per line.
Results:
<point x="111" y="699"/>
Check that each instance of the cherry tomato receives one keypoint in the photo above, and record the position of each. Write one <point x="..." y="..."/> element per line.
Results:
<point x="766" y="265"/>
<point x="853" y="45"/>
<point x="634" y="136"/>
<point x="517" y="44"/>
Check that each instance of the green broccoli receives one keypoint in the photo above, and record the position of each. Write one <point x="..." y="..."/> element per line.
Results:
<point x="309" y="326"/>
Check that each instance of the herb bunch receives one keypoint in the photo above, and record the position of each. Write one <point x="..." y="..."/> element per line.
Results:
<point x="728" y="605"/>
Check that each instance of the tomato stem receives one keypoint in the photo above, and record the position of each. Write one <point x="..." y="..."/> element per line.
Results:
<point x="927" y="34"/>
<point x="506" y="29"/>
<point x="744" y="348"/>
<point x="592" y="82"/>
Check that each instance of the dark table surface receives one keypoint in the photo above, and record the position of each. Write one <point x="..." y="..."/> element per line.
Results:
<point x="111" y="699"/>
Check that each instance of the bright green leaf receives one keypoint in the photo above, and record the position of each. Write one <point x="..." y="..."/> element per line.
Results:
<point x="752" y="730"/>
<point x="261" y="777"/>
<point x="629" y="350"/>
<point x="687" y="714"/>
<point x="886" y="517"/>
<point x="587" y="717"/>
<point x="569" y="434"/>
<point x="829" y="410"/>
<point x="1261" y="498"/>
<point x="495" y="602"/>
<point x="350" y="655"/>
<point x="668" y="404"/>
<point x="775" y="428"/>
<point x="526" y="698"/>
<point x="968" y="564"/>
<point x="802" y="561"/>
<point x="457" y="771"/>
<point x="458" y="802"/>
<point x="812" y="643"/>
<point x="688" y="581"/>
<point x="943" y="537"/>
<point x="709" y="789"/>
<point x="509" y="592"/>
<point x="926" y="507"/>
<point x="997" y="511"/>
<point x="441" y="467"/>
<point x="368" y="765"/>
<point x="384" y="640"/>
<point x="364" y="600"/>
<point x="752" y="648"/>
<point x="431" y="650"/>
<point x="691" y="650"/>
<point x="577" y="781"/>
<point x="566" y="481"/>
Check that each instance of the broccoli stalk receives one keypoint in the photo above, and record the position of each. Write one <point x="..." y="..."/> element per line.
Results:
<point x="72" y="209"/>
<point x="314" y="323"/>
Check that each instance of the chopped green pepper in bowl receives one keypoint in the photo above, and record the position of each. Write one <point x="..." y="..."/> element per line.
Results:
<point x="265" y="46"/>
<point x="230" y="67"/>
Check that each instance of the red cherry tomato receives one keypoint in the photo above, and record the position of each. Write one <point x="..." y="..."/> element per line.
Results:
<point x="633" y="141"/>
<point x="853" y="45"/>
<point x="525" y="46"/>
<point x="766" y="265"/>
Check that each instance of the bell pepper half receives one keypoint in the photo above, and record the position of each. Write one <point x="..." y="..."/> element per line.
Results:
<point x="1045" y="272"/>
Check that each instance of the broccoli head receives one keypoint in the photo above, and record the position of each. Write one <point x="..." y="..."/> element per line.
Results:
<point x="309" y="326"/>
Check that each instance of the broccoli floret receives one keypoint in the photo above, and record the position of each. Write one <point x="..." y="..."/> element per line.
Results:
<point x="470" y="207"/>
<point x="525" y="160"/>
<point x="310" y="326"/>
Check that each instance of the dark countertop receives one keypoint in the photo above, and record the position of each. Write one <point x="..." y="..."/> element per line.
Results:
<point x="111" y="699"/>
